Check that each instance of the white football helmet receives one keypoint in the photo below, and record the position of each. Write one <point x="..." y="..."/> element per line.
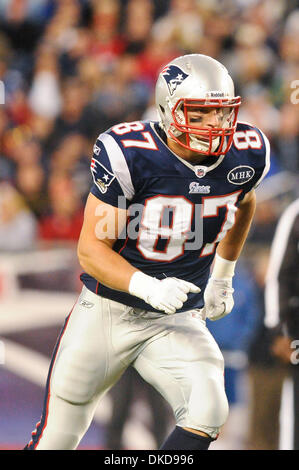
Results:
<point x="197" y="81"/>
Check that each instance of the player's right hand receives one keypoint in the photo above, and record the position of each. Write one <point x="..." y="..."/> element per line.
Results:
<point x="167" y="294"/>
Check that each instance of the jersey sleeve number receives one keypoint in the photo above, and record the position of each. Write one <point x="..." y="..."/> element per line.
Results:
<point x="176" y="232"/>
<point x="124" y="128"/>
<point x="249" y="139"/>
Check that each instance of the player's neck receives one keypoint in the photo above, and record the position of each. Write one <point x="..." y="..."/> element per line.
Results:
<point x="186" y="154"/>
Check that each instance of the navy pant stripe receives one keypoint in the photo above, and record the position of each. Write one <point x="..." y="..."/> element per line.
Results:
<point x="37" y="434"/>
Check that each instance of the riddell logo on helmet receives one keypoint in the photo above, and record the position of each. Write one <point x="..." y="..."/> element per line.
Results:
<point x="215" y="94"/>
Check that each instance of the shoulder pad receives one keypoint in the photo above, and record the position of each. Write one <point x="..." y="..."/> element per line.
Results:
<point x="108" y="157"/>
<point x="248" y="137"/>
<point x="253" y="142"/>
<point x="134" y="135"/>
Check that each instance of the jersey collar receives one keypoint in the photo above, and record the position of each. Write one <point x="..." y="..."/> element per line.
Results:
<point x="199" y="170"/>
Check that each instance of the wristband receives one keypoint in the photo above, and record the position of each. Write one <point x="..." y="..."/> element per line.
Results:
<point x="223" y="268"/>
<point x="141" y="284"/>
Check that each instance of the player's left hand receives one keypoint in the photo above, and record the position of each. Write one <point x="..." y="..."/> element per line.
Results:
<point x="218" y="298"/>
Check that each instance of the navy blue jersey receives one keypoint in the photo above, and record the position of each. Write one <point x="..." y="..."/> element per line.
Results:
<point x="178" y="211"/>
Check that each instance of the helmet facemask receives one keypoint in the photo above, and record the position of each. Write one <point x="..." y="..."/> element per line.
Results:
<point x="205" y="140"/>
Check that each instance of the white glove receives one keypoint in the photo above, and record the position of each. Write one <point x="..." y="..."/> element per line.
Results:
<point x="218" y="298"/>
<point x="167" y="294"/>
<point x="218" y="295"/>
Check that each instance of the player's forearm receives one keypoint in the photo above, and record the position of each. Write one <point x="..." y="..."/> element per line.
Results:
<point x="109" y="268"/>
<point x="106" y="266"/>
<point x="231" y="246"/>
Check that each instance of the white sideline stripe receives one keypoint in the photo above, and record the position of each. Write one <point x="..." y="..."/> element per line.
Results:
<point x="286" y="416"/>
<point x="118" y="164"/>
<point x="37" y="261"/>
<point x="33" y="310"/>
<point x="277" y="252"/>
<point x="26" y="363"/>
<point x="34" y="366"/>
<point x="29" y="322"/>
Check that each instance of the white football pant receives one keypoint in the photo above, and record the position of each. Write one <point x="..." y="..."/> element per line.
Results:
<point x="101" y="338"/>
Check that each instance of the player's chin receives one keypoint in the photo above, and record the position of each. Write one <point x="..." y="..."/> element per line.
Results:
<point x="203" y="138"/>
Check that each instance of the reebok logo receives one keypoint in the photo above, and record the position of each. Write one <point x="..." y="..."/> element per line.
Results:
<point x="86" y="303"/>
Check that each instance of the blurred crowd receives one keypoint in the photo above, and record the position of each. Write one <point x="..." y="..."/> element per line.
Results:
<point x="73" y="68"/>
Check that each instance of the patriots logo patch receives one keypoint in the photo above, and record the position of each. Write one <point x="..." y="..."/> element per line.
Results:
<point x="101" y="176"/>
<point x="174" y="76"/>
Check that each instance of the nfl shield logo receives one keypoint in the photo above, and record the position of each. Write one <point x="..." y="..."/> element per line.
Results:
<point x="200" y="171"/>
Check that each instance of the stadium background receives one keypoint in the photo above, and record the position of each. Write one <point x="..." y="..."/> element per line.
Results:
<point x="71" y="69"/>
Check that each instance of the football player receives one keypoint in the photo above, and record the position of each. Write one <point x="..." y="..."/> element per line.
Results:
<point x="150" y="280"/>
